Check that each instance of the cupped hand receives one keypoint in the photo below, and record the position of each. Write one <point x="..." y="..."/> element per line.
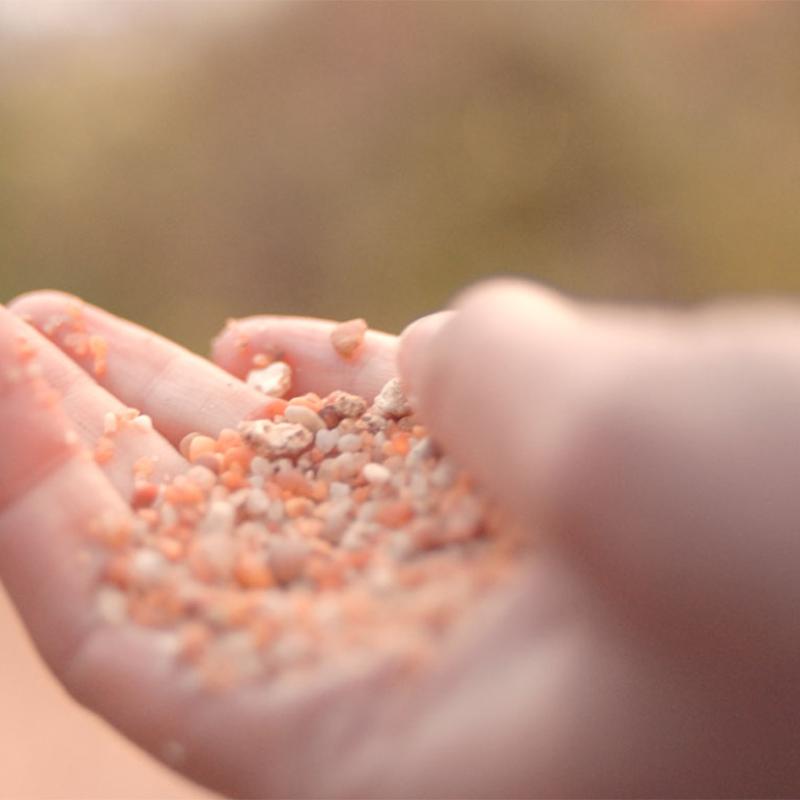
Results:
<point x="458" y="729"/>
<point x="649" y="647"/>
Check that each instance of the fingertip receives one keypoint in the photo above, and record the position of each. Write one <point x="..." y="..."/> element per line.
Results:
<point x="223" y="350"/>
<point x="415" y="347"/>
<point x="38" y="300"/>
<point x="480" y="373"/>
<point x="501" y="298"/>
<point x="484" y="320"/>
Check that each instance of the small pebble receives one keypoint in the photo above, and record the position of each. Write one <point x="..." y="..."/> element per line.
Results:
<point x="349" y="443"/>
<point x="211" y="461"/>
<point x="347" y="337"/>
<point x="276" y="511"/>
<point x="342" y="405"/>
<point x="355" y="536"/>
<point x="185" y="444"/>
<point x="346" y="465"/>
<point x="374" y="423"/>
<point x="337" y="490"/>
<point x="391" y="402"/>
<point x="111" y="605"/>
<point x="326" y="440"/>
<point x="274" y="379"/>
<point x="303" y="415"/>
<point x="257" y="503"/>
<point x="376" y="473"/>
<point x="336" y="519"/>
<point x="444" y="475"/>
<point x="148" y="567"/>
<point x="169" y="516"/>
<point x="199" y="446"/>
<point x="110" y="423"/>
<point x="202" y="476"/>
<point x="142" y="423"/>
<point x="276" y="439"/>
<point x="367" y="511"/>
<point x="220" y="517"/>
<point x="261" y="466"/>
<point x="218" y="552"/>
<point x="421" y="451"/>
<point x="287" y="558"/>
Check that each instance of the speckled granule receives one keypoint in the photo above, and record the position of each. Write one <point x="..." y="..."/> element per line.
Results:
<point x="330" y="529"/>
<point x="273" y="379"/>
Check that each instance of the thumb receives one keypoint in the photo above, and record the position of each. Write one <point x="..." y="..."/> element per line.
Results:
<point x="484" y="376"/>
<point x="657" y="454"/>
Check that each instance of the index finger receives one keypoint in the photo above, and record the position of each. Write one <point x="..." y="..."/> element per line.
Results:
<point x="306" y="345"/>
<point x="182" y="392"/>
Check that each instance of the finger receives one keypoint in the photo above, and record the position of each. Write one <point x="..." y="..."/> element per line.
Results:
<point x="179" y="390"/>
<point x="306" y="345"/>
<point x="100" y="421"/>
<point x="657" y="453"/>
<point x="475" y="375"/>
<point x="51" y="500"/>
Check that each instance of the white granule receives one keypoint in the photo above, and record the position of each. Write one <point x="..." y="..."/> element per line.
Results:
<point x="391" y="402"/>
<point x="376" y="473"/>
<point x="273" y="380"/>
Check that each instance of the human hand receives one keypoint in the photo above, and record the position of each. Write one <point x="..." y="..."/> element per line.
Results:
<point x="344" y="735"/>
<point x="654" y="457"/>
<point x="645" y="647"/>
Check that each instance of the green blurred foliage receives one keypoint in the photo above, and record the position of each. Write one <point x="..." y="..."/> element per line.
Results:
<point x="356" y="159"/>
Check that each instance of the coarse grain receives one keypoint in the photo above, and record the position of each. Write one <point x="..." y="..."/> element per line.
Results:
<point x="276" y="439"/>
<point x="325" y="523"/>
<point x="303" y="415"/>
<point x="275" y="379"/>
<point x="348" y="337"/>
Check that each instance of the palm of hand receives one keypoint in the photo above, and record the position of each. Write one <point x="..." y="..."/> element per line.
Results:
<point x="462" y="729"/>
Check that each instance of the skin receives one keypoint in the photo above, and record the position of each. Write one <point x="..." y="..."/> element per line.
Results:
<point x="650" y="645"/>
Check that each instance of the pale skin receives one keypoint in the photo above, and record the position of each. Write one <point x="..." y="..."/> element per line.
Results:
<point x="650" y="646"/>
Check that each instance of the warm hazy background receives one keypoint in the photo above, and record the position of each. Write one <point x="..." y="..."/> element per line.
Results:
<point x="183" y="162"/>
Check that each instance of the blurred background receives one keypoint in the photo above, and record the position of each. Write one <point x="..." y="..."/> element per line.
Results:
<point x="181" y="163"/>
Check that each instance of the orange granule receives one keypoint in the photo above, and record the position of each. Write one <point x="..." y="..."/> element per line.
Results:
<point x="104" y="450"/>
<point x="252" y="572"/>
<point x="401" y="443"/>
<point x="143" y="467"/>
<point x="98" y="348"/>
<point x="200" y="446"/>
<point x="25" y="350"/>
<point x="394" y="514"/>
<point x="348" y="337"/>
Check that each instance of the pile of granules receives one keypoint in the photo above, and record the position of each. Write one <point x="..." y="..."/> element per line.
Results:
<point x="324" y="528"/>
